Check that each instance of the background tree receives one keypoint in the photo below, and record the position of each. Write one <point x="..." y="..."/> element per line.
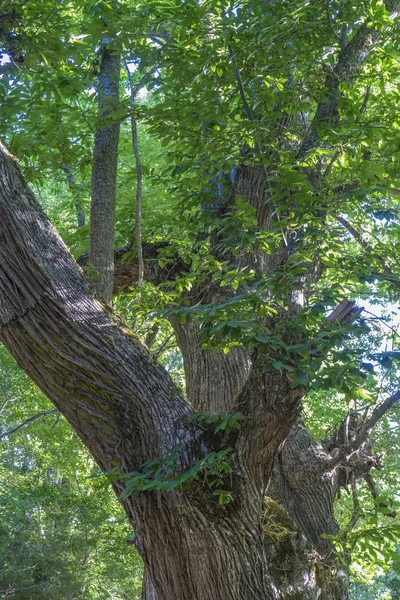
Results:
<point x="285" y="187"/>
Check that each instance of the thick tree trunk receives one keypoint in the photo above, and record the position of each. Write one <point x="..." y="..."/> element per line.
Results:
<point x="299" y="560"/>
<point x="127" y="410"/>
<point x="214" y="380"/>
<point x="194" y="548"/>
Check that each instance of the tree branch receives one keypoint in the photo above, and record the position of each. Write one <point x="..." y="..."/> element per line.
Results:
<point x="371" y="485"/>
<point x="73" y="187"/>
<point x="43" y="413"/>
<point x="356" y="508"/>
<point x="246" y="106"/>
<point x="377" y="414"/>
<point x="328" y="14"/>
<point x="365" y="245"/>
<point x="351" y="58"/>
<point x="345" y="313"/>
<point x="124" y="406"/>
<point x="104" y="174"/>
<point x="365" y="100"/>
<point x="152" y="335"/>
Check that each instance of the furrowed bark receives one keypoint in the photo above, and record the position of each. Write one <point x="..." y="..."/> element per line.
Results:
<point x="104" y="175"/>
<point x="126" y="410"/>
<point x="303" y="484"/>
<point x="214" y="380"/>
<point x="302" y="479"/>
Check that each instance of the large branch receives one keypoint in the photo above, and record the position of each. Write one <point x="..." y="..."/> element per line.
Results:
<point x="124" y="406"/>
<point x="350" y="60"/>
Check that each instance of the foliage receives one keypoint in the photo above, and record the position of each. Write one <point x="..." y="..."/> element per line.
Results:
<point x="163" y="474"/>
<point x="220" y="422"/>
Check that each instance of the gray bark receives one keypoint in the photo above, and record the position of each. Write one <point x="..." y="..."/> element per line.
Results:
<point x="214" y="380"/>
<point x="126" y="410"/>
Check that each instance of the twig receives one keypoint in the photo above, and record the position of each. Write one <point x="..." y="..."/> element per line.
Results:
<point x="382" y="320"/>
<point x="356" y="508"/>
<point x="366" y="98"/>
<point x="331" y="163"/>
<point x="371" y="485"/>
<point x="80" y="215"/>
<point x="56" y="421"/>
<point x="364" y="244"/>
<point x="240" y="84"/>
<point x="163" y="346"/>
<point x="151" y="336"/>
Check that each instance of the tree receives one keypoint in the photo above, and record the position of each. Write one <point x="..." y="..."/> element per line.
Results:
<point x="285" y="175"/>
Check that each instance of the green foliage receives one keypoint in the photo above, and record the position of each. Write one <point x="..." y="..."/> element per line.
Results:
<point x="219" y="422"/>
<point x="381" y="587"/>
<point x="165" y="474"/>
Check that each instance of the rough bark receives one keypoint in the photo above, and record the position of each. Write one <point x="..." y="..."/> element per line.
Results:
<point x="126" y="410"/>
<point x="214" y="380"/>
<point x="303" y="479"/>
<point x="104" y="175"/>
<point x="306" y="487"/>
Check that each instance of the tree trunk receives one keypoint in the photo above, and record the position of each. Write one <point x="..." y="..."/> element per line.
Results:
<point x="302" y="481"/>
<point x="127" y="410"/>
<point x="104" y="175"/>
